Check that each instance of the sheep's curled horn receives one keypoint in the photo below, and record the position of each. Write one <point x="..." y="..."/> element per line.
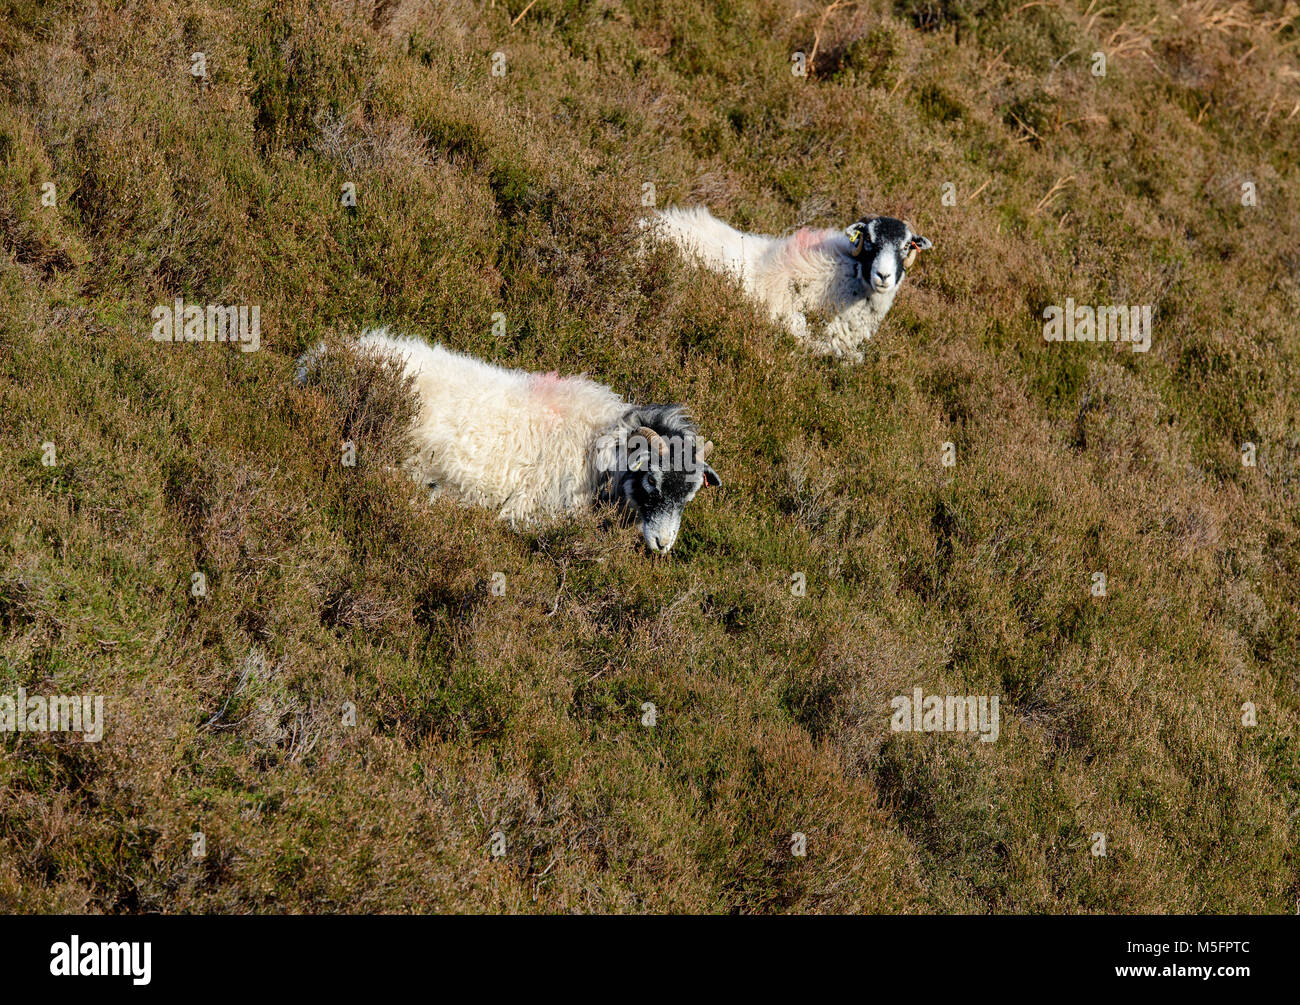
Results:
<point x="654" y="442"/>
<point x="911" y="251"/>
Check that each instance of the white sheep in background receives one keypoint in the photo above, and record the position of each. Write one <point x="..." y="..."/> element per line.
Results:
<point x="846" y="278"/>
<point x="535" y="446"/>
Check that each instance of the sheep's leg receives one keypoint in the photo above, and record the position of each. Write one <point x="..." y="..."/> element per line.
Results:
<point x="836" y="342"/>
<point x="797" y="325"/>
<point x="842" y="336"/>
<point x="833" y="344"/>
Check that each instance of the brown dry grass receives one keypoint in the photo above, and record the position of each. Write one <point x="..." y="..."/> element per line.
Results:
<point x="521" y="713"/>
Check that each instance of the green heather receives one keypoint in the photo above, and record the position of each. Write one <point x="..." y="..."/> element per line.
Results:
<point x="521" y="713"/>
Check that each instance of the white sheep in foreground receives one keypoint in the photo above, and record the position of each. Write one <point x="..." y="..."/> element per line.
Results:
<point x="846" y="278"/>
<point x="534" y="446"/>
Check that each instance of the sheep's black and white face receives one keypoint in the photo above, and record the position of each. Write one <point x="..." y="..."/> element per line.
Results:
<point x="658" y="496"/>
<point x="884" y="249"/>
<point x="657" y="463"/>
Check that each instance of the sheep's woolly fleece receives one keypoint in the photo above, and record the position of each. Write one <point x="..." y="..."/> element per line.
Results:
<point x="509" y="440"/>
<point x="810" y="275"/>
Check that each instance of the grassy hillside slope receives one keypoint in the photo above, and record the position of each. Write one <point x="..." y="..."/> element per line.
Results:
<point x="521" y="713"/>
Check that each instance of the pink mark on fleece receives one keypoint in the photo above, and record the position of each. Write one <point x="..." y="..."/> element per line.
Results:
<point x="806" y="240"/>
<point x="547" y="388"/>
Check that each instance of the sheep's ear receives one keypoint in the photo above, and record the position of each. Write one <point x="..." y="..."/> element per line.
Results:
<point x="917" y="243"/>
<point x="854" y="234"/>
<point x="710" y="476"/>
